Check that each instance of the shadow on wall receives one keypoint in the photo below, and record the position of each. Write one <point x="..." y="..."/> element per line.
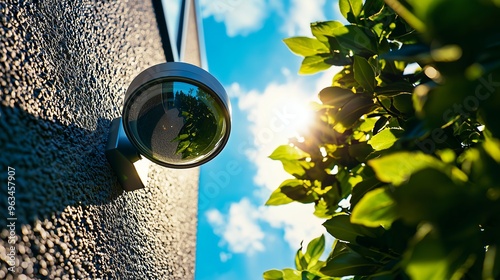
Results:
<point x="55" y="165"/>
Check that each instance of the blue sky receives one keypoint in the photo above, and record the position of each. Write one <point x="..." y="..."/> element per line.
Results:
<point x="238" y="237"/>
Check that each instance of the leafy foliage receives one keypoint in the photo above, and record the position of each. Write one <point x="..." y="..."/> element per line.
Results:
<point x="415" y="153"/>
<point x="197" y="133"/>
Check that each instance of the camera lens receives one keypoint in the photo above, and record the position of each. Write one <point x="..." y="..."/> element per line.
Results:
<point x="176" y="121"/>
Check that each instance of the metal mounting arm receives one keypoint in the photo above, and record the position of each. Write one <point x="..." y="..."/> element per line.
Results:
<point x="121" y="155"/>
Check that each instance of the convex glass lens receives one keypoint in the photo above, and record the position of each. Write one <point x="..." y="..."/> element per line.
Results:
<point x="175" y="122"/>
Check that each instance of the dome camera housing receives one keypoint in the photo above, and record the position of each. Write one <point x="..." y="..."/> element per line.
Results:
<point x="175" y="114"/>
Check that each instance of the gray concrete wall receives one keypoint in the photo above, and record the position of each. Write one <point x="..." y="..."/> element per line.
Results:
<point x="64" y="69"/>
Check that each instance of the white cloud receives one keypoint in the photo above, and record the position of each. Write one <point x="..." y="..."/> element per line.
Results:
<point x="240" y="17"/>
<point x="296" y="219"/>
<point x="224" y="257"/>
<point x="239" y="229"/>
<point x="299" y="16"/>
<point x="275" y="115"/>
<point x="215" y="218"/>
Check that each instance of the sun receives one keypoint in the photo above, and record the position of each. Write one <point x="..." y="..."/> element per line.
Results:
<point x="300" y="116"/>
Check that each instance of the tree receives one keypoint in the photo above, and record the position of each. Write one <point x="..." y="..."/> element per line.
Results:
<point x="200" y="127"/>
<point x="415" y="153"/>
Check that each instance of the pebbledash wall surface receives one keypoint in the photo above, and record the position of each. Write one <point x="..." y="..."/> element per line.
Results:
<point x="65" y="67"/>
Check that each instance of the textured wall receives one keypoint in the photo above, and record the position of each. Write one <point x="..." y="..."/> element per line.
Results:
<point x="65" y="66"/>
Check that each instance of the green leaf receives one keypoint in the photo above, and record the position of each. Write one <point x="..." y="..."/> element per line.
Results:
<point x="297" y="168"/>
<point x="372" y="7"/>
<point x="306" y="275"/>
<point x="337" y="59"/>
<point x="367" y="124"/>
<point x="315" y="268"/>
<point x="351" y="9"/>
<point x="367" y="184"/>
<point x="345" y="78"/>
<point x="429" y="257"/>
<point x="364" y="74"/>
<point x="305" y="46"/>
<point x="322" y="29"/>
<point x="300" y="260"/>
<point x="380" y="124"/>
<point x="492" y="263"/>
<point x="314" y="63"/>
<point x="360" y="151"/>
<point x="398" y="167"/>
<point x="394" y="88"/>
<point x="404" y="103"/>
<point x="446" y="155"/>
<point x="492" y="147"/>
<point x="288" y="152"/>
<point x="352" y="111"/>
<point x="314" y="250"/>
<point x="291" y="274"/>
<point x="278" y="198"/>
<point x="273" y="274"/>
<point x="324" y="210"/>
<point x="335" y="96"/>
<point x="358" y="39"/>
<point x="428" y="262"/>
<point x="432" y="196"/>
<point x="340" y="227"/>
<point x="297" y="191"/>
<point x="181" y="137"/>
<point x="384" y="139"/>
<point x="392" y="67"/>
<point x="293" y="159"/>
<point x="345" y="262"/>
<point x="183" y="145"/>
<point x="291" y="190"/>
<point x="376" y="208"/>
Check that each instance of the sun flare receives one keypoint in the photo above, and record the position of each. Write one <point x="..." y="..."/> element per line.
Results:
<point x="301" y="116"/>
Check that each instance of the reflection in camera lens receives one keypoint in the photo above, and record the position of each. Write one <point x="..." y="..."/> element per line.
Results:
<point x="176" y="122"/>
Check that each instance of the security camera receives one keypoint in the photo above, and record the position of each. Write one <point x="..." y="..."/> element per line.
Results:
<point x="175" y="114"/>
